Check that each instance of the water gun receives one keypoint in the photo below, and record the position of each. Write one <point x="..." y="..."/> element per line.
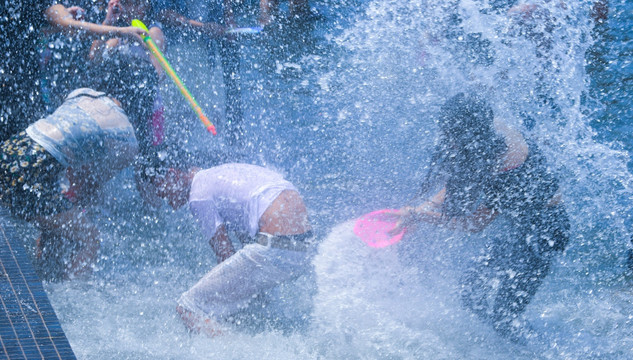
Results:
<point x="153" y="48"/>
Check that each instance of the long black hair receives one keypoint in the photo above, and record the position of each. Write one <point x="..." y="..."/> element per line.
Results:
<point x="467" y="153"/>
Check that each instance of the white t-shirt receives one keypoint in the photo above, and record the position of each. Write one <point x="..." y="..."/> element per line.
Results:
<point x="88" y="129"/>
<point x="235" y="195"/>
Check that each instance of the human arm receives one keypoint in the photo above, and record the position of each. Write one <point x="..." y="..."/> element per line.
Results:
<point x="221" y="244"/>
<point x="159" y="39"/>
<point x="61" y="19"/>
<point x="174" y="19"/>
<point x="99" y="47"/>
<point x="116" y="14"/>
<point x="429" y="212"/>
<point x="410" y="216"/>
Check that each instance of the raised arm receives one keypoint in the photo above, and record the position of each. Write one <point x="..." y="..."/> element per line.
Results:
<point x="61" y="19"/>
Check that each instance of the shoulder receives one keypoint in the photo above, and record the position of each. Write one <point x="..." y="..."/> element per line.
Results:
<point x="518" y="148"/>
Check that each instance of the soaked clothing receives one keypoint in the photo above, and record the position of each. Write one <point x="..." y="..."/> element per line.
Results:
<point x="88" y="133"/>
<point x="30" y="179"/>
<point x="88" y="129"/>
<point x="523" y="195"/>
<point x="521" y="259"/>
<point x="235" y="195"/>
<point x="232" y="284"/>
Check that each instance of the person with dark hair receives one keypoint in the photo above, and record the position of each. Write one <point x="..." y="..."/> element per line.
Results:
<point x="268" y="216"/>
<point x="50" y="173"/>
<point x="490" y="170"/>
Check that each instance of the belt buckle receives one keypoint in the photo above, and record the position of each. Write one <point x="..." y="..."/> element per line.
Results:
<point x="264" y="239"/>
<point x="277" y="242"/>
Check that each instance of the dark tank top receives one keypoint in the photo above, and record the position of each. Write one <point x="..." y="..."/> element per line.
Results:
<point x="523" y="190"/>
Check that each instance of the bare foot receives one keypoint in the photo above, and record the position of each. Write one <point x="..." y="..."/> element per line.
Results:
<point x="199" y="324"/>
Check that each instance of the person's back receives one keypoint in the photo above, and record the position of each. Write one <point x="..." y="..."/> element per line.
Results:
<point x="240" y="193"/>
<point x="528" y="187"/>
<point x="64" y="157"/>
<point x="88" y="134"/>
<point x="52" y="170"/>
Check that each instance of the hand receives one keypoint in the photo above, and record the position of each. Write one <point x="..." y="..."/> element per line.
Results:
<point x="213" y="30"/>
<point x="411" y="216"/>
<point x="76" y="12"/>
<point x="406" y="217"/>
<point x="134" y="33"/>
<point x="113" y="13"/>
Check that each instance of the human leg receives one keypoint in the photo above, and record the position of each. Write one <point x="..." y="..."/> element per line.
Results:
<point x="231" y="285"/>
<point x="503" y="281"/>
<point x="500" y="284"/>
<point x="68" y="246"/>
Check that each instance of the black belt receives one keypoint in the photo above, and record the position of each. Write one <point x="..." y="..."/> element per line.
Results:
<point x="299" y="242"/>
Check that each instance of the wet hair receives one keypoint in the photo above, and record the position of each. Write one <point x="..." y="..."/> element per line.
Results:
<point x="468" y="150"/>
<point x="462" y="117"/>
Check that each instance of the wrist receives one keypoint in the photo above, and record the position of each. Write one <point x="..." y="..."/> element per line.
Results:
<point x="184" y="22"/>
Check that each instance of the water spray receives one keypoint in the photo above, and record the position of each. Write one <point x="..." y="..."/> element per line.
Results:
<point x="170" y="71"/>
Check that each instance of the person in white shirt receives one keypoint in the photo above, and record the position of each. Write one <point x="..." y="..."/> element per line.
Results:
<point x="268" y="215"/>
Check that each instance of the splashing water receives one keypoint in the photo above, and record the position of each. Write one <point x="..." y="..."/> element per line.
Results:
<point x="351" y="122"/>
